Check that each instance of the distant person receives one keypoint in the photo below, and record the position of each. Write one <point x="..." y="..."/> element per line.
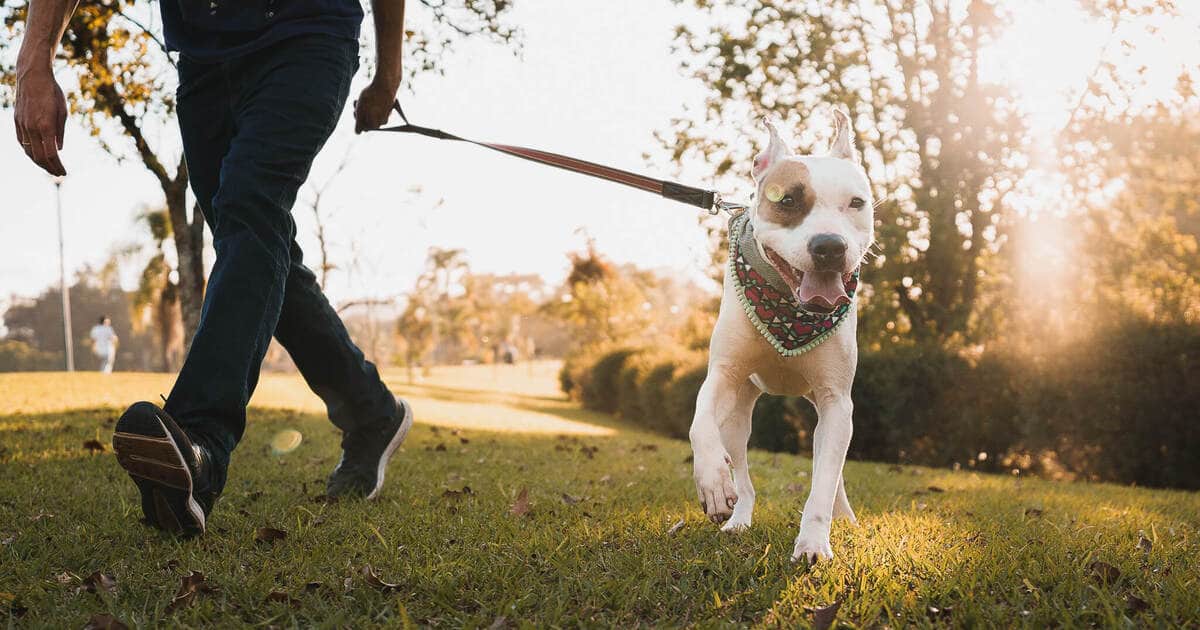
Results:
<point x="261" y="87"/>
<point x="104" y="343"/>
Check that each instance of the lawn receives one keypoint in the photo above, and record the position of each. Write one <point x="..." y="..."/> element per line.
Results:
<point x="510" y="507"/>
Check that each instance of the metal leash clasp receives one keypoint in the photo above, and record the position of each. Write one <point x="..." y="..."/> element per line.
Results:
<point x="731" y="208"/>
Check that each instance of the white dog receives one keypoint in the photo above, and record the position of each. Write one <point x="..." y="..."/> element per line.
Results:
<point x="787" y="326"/>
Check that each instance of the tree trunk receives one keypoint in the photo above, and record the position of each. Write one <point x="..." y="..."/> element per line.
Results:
<point x="189" y="245"/>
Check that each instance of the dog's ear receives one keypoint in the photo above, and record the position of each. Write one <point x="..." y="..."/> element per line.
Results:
<point x="843" y="136"/>
<point x="776" y="150"/>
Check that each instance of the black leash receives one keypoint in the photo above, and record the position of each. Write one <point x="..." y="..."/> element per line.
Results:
<point x="709" y="200"/>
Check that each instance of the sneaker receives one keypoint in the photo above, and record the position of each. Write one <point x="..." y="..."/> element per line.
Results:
<point x="171" y="472"/>
<point x="365" y="455"/>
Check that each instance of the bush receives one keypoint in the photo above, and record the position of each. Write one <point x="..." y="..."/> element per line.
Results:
<point x="1125" y="409"/>
<point x="599" y="387"/>
<point x="18" y="356"/>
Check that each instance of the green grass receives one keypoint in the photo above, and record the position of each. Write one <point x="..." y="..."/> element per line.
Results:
<point x="975" y="548"/>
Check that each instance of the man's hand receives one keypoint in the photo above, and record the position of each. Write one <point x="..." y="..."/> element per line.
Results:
<point x="373" y="106"/>
<point x="41" y="118"/>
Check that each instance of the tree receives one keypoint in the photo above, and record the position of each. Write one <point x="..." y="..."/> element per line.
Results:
<point x="941" y="145"/>
<point x="126" y="87"/>
<point x="156" y="299"/>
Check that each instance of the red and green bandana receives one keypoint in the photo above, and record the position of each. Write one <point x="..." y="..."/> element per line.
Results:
<point x="768" y="302"/>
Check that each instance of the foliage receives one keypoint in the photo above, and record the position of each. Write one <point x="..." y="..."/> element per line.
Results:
<point x="19" y="356"/>
<point x="986" y="551"/>
<point x="599" y="389"/>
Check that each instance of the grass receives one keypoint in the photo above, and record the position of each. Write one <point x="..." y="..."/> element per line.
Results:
<point x="934" y="547"/>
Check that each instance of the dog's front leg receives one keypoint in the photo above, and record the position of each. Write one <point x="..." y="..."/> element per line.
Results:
<point x="831" y="441"/>
<point x="723" y="397"/>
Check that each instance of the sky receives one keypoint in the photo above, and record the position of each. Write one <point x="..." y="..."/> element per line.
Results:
<point x="594" y="81"/>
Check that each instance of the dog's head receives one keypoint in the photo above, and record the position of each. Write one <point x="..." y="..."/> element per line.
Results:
<point x="814" y="217"/>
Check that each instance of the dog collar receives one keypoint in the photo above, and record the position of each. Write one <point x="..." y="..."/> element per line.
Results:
<point x="768" y="302"/>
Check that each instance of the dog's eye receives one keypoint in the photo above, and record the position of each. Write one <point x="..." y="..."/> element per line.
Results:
<point x="787" y="201"/>
<point x="857" y="202"/>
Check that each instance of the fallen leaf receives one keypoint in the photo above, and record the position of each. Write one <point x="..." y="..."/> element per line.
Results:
<point x="94" y="446"/>
<point x="1104" y="572"/>
<point x="458" y="494"/>
<point x="98" y="582"/>
<point x="440" y="447"/>
<point x="7" y="540"/>
<point x="104" y="621"/>
<point x="520" y="507"/>
<point x="1034" y="512"/>
<point x="935" y="489"/>
<point x="282" y="598"/>
<point x="590" y="451"/>
<point x="823" y="617"/>
<point x="570" y="500"/>
<point x="374" y="582"/>
<point x="269" y="535"/>
<point x="942" y="612"/>
<point x="1136" y="604"/>
<point x="66" y="577"/>
<point x="190" y="586"/>
<point x="606" y="479"/>
<point x="676" y="527"/>
<point x="1144" y="544"/>
<point x="464" y="440"/>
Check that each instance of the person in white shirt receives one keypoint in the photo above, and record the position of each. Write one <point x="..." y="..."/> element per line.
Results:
<point x="104" y="344"/>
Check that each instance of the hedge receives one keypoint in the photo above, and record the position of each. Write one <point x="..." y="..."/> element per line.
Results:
<point x="1124" y="410"/>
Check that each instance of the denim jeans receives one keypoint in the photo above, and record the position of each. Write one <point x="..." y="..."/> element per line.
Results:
<point x="251" y="127"/>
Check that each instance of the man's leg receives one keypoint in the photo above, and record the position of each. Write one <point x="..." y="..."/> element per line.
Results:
<point x="280" y="105"/>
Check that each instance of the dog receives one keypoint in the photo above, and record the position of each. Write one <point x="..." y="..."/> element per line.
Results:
<point x="787" y="326"/>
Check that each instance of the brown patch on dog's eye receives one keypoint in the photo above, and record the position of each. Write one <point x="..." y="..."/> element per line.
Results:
<point x="787" y="195"/>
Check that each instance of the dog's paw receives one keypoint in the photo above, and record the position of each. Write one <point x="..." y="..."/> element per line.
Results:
<point x="812" y="548"/>
<point x="736" y="524"/>
<point x="714" y="487"/>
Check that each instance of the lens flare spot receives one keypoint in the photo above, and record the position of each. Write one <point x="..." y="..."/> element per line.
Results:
<point x="774" y="193"/>
<point x="286" y="441"/>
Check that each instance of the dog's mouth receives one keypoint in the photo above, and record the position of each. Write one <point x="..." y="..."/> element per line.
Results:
<point x="816" y="291"/>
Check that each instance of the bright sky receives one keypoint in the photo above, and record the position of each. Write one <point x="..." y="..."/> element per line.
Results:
<point x="594" y="81"/>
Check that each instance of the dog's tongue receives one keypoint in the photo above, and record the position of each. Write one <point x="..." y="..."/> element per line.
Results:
<point x="823" y="288"/>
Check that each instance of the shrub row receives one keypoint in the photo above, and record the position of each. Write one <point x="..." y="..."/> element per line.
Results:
<point x="1126" y="409"/>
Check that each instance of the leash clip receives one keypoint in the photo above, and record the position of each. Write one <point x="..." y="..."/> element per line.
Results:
<point x="732" y="208"/>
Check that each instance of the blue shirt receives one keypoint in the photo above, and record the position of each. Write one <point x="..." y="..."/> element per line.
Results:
<point x="217" y="30"/>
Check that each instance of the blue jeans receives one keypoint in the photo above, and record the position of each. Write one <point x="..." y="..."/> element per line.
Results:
<point x="251" y="127"/>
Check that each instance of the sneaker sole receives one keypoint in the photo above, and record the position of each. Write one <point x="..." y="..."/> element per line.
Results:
<point x="394" y="444"/>
<point x="147" y="452"/>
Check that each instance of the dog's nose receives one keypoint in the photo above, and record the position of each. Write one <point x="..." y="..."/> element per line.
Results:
<point x="828" y="251"/>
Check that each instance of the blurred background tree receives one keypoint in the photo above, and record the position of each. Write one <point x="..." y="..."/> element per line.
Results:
<point x="126" y="95"/>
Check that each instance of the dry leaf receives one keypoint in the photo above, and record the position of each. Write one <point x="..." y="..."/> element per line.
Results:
<point x="1104" y="572"/>
<point x="590" y="451"/>
<point x="66" y="577"/>
<point x="823" y="617"/>
<point x="190" y="586"/>
<point x="269" y="535"/>
<point x="1034" y="512"/>
<point x="1144" y="544"/>
<point x="935" y="489"/>
<point x="440" y="447"/>
<point x="520" y="507"/>
<point x="1136" y="604"/>
<point x="98" y="582"/>
<point x="104" y="621"/>
<point x="676" y="527"/>
<point x="282" y="598"/>
<point x="94" y="446"/>
<point x="606" y="479"/>
<point x="374" y="582"/>
<point x="570" y="500"/>
<point x="458" y="494"/>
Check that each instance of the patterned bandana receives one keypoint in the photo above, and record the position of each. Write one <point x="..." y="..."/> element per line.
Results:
<point x="768" y="301"/>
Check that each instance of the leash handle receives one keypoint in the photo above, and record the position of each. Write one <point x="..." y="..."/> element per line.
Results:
<point x="707" y="199"/>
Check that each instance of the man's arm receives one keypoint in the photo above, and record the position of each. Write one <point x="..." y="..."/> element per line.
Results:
<point x="40" y="113"/>
<point x="374" y="105"/>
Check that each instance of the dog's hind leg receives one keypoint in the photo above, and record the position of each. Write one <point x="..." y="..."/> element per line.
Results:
<point x="735" y="435"/>
<point x="841" y="504"/>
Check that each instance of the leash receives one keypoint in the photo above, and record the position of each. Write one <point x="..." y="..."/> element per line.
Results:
<point x="709" y="200"/>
